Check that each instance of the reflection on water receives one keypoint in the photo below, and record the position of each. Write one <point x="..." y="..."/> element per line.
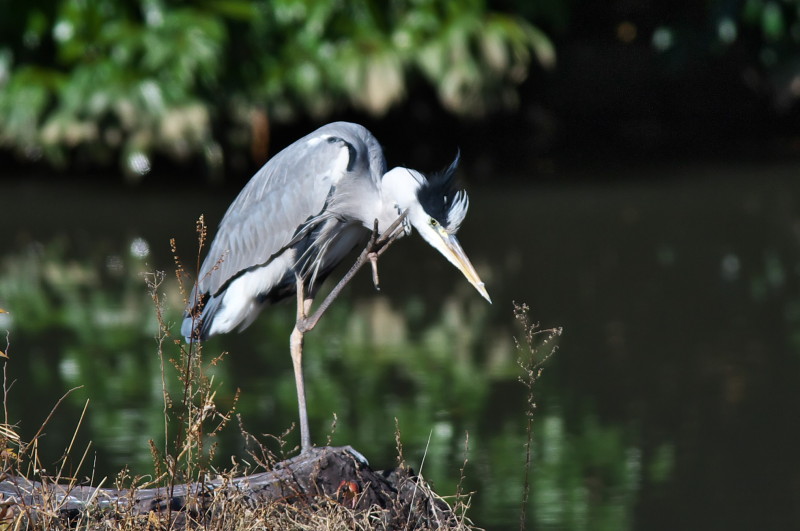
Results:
<point x="671" y="403"/>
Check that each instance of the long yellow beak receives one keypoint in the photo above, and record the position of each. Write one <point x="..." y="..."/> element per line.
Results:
<point x="455" y="254"/>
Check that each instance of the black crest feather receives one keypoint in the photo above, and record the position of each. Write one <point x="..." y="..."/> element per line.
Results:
<point x="441" y="199"/>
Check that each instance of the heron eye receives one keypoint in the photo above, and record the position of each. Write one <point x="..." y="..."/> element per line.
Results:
<point x="434" y="223"/>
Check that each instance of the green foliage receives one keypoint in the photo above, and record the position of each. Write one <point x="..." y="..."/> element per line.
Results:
<point x="115" y="81"/>
<point x="97" y="80"/>
<point x="366" y="52"/>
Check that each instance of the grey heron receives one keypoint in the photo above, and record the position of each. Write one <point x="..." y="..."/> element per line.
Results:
<point x="300" y="215"/>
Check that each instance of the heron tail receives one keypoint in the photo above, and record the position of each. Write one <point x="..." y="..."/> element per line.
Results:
<point x="198" y="318"/>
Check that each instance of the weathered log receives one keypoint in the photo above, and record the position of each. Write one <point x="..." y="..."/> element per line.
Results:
<point x="322" y="474"/>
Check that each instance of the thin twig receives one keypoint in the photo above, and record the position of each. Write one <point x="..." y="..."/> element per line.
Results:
<point x="419" y="475"/>
<point x="74" y="436"/>
<point x="35" y="438"/>
<point x="6" y="387"/>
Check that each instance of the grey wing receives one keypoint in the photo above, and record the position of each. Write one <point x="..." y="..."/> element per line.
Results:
<point x="278" y="202"/>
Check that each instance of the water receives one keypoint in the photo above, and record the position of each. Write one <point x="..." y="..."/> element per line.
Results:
<point x="671" y="403"/>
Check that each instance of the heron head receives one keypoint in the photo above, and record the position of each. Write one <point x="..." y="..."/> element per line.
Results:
<point x="436" y="210"/>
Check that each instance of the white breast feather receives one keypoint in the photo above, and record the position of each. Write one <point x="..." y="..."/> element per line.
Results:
<point x="239" y="305"/>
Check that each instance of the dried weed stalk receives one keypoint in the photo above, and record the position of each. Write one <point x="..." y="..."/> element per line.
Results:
<point x="184" y="456"/>
<point x="536" y="348"/>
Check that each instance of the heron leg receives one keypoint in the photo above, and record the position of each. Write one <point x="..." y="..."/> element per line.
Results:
<point x="305" y="322"/>
<point x="296" y="348"/>
<point x="373" y="258"/>
<point x="372" y="254"/>
<point x="375" y="248"/>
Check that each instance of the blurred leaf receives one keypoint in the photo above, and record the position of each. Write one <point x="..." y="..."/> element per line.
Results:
<point x="234" y="9"/>
<point x="751" y="13"/>
<point x="35" y="28"/>
<point x="772" y="22"/>
<point x="542" y="46"/>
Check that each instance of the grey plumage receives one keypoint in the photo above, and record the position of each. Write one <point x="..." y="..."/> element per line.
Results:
<point x="303" y="212"/>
